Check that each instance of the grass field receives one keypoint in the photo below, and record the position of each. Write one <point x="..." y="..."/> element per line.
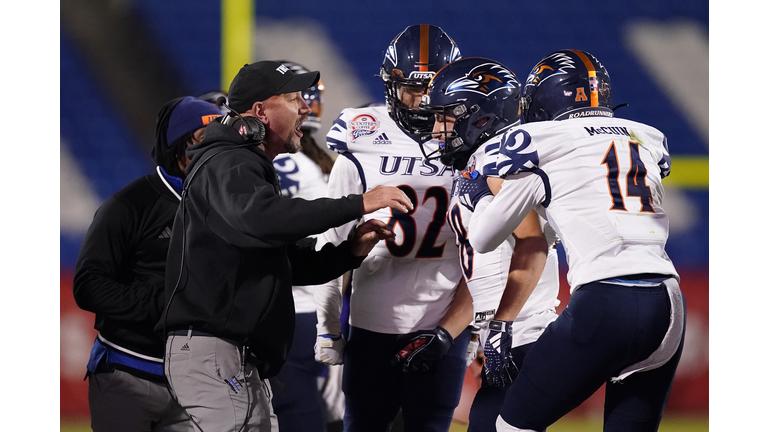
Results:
<point x="564" y="425"/>
<point x="586" y="425"/>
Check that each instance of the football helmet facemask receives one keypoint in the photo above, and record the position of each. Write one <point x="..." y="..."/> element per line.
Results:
<point x="411" y="59"/>
<point x="566" y="84"/>
<point x="483" y="97"/>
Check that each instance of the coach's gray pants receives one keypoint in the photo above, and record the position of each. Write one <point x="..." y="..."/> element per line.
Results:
<point x="215" y="386"/>
<point x="121" y="402"/>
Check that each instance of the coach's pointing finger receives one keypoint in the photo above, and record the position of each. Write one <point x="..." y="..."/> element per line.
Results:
<point x="386" y="196"/>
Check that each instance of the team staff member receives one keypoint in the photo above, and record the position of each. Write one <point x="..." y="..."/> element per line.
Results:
<point x="230" y="315"/>
<point x="120" y="276"/>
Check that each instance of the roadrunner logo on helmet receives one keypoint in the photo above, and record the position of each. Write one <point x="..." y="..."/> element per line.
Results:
<point x="484" y="98"/>
<point x="411" y="59"/>
<point x="484" y="79"/>
<point x="566" y="84"/>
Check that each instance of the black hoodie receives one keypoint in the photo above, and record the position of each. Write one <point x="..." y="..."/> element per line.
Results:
<point x="161" y="152"/>
<point x="242" y="249"/>
<point x="120" y="272"/>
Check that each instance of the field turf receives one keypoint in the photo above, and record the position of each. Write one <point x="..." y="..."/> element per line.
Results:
<point x="565" y="425"/>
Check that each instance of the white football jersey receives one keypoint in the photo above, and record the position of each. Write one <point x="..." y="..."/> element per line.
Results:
<point x="486" y="274"/>
<point x="407" y="284"/>
<point x="300" y="177"/>
<point x="597" y="180"/>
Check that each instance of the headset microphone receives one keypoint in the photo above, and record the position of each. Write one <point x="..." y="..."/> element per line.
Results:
<point x="250" y="128"/>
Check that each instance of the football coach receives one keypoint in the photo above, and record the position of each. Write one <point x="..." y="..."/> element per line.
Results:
<point x="238" y="247"/>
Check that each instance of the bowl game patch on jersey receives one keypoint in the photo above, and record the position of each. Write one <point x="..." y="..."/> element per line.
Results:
<point x="363" y="125"/>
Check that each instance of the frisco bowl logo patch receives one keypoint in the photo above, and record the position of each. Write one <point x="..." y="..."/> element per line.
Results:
<point x="363" y="125"/>
<point x="484" y="79"/>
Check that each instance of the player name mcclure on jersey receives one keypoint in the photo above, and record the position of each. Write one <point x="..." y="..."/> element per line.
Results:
<point x="405" y="165"/>
<point x="611" y="130"/>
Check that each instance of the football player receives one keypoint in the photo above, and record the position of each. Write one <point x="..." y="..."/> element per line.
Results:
<point x="514" y="287"/>
<point x="409" y="315"/>
<point x="597" y="180"/>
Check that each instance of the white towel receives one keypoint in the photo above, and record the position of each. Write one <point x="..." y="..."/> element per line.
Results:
<point x="671" y="340"/>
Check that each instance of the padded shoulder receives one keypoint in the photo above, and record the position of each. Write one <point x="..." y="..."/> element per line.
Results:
<point x="356" y="128"/>
<point x="516" y="153"/>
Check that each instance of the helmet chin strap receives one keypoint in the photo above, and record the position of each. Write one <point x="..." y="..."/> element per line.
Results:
<point x="408" y="119"/>
<point x="418" y="120"/>
<point x="457" y="162"/>
<point x="619" y="106"/>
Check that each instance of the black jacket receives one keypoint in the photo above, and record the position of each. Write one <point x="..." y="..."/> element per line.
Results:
<point x="120" y="271"/>
<point x="240" y="251"/>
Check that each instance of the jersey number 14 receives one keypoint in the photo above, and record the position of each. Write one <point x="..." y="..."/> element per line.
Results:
<point x="635" y="179"/>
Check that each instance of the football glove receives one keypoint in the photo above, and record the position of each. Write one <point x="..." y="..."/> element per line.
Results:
<point x="474" y="344"/>
<point x="329" y="349"/>
<point x="500" y="369"/>
<point x="473" y="186"/>
<point x="419" y="351"/>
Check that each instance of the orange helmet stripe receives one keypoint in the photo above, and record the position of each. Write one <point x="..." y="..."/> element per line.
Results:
<point x="593" y="94"/>
<point x="424" y="48"/>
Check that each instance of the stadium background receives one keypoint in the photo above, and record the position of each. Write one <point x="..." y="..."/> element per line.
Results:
<point x="120" y="61"/>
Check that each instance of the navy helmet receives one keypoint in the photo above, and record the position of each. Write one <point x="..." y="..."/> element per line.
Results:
<point x="313" y="96"/>
<point x="411" y="59"/>
<point x="566" y="84"/>
<point x="482" y="95"/>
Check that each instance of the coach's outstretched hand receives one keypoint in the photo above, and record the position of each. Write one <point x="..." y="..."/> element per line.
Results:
<point x="368" y="234"/>
<point x="386" y="196"/>
<point x="419" y="351"/>
<point x="500" y="368"/>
